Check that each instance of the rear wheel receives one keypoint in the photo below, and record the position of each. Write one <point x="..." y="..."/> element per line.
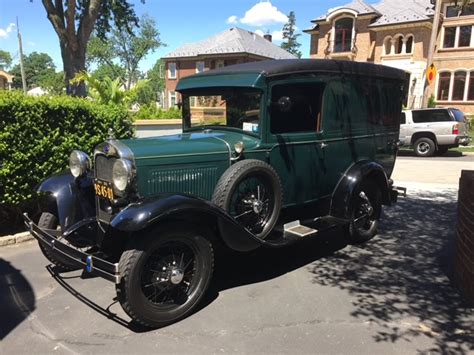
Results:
<point x="367" y="207"/>
<point x="165" y="275"/>
<point x="424" y="147"/>
<point x="49" y="221"/>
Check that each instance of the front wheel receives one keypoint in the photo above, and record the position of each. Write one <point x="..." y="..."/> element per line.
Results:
<point x="367" y="207"/>
<point x="165" y="275"/>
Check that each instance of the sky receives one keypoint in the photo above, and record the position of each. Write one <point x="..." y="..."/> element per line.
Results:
<point x="178" y="22"/>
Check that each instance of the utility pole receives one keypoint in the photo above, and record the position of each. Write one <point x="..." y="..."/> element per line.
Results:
<point x="431" y="49"/>
<point x="22" y="68"/>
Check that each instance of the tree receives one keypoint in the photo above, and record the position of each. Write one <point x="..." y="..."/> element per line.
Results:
<point x="74" y="21"/>
<point x="290" y="38"/>
<point x="53" y="83"/>
<point x="112" y="71"/>
<point x="38" y="67"/>
<point x="156" y="77"/>
<point x="5" y="60"/>
<point x="129" y="47"/>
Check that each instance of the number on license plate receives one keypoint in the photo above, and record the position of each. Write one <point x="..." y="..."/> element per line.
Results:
<point x="104" y="191"/>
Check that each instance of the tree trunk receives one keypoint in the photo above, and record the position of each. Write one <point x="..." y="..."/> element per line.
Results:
<point x="73" y="63"/>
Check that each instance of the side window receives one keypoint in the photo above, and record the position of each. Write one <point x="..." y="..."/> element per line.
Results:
<point x="424" y="116"/>
<point x="296" y="108"/>
<point x="403" y="119"/>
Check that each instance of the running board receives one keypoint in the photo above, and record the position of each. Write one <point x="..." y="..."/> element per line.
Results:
<point x="295" y="228"/>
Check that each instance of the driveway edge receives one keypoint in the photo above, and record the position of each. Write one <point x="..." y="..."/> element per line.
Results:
<point x="15" y="239"/>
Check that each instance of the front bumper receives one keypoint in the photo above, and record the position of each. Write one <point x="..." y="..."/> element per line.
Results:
<point x="89" y="263"/>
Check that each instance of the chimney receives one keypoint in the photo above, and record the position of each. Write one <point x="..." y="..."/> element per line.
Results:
<point x="268" y="37"/>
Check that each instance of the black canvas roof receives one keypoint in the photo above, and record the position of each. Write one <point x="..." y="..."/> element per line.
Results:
<point x="294" y="66"/>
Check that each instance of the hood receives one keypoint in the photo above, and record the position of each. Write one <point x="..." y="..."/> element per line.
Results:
<point x="211" y="145"/>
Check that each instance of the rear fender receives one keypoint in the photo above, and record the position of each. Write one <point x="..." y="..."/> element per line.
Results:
<point x="342" y="201"/>
<point x="70" y="199"/>
<point x="161" y="208"/>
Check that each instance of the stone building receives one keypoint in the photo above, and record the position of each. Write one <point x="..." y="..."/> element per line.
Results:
<point x="397" y="33"/>
<point x="232" y="46"/>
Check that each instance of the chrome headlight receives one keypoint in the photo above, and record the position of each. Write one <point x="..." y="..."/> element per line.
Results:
<point x="79" y="163"/>
<point x="121" y="174"/>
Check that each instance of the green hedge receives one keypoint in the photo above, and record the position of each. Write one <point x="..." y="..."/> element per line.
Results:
<point x="38" y="134"/>
<point x="151" y="112"/>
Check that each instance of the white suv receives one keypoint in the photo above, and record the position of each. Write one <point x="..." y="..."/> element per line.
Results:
<point x="431" y="131"/>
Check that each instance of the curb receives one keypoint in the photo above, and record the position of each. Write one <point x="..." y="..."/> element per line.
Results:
<point x="15" y="239"/>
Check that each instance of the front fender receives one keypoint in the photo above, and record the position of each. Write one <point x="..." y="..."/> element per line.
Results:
<point x="70" y="199"/>
<point x="341" y="200"/>
<point x="153" y="210"/>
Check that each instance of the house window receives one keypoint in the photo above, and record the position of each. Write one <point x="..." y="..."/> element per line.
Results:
<point x="465" y="36"/>
<point x="443" y="86"/>
<point x="388" y="45"/>
<point x="449" y="37"/>
<point x="454" y="11"/>
<point x="220" y="64"/>
<point x="470" y="90"/>
<point x="171" y="70"/>
<point x="459" y="85"/>
<point x="409" y="45"/>
<point x="172" y="99"/>
<point x="399" y="45"/>
<point x="199" y="67"/>
<point x="343" y="35"/>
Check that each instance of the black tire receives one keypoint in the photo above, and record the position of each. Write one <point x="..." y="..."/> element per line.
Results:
<point x="362" y="230"/>
<point x="442" y="150"/>
<point x="147" y="267"/>
<point x="251" y="192"/>
<point x="424" y="147"/>
<point x="49" y="221"/>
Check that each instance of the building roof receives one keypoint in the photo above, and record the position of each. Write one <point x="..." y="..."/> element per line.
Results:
<point x="358" y="6"/>
<point x="6" y="76"/>
<point x="388" y="12"/>
<point x="300" y="66"/>
<point x="232" y="41"/>
<point x="396" y="12"/>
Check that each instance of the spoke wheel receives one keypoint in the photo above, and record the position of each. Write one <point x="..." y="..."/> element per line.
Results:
<point x="250" y="191"/>
<point x="367" y="207"/>
<point x="164" y="275"/>
<point x="49" y="221"/>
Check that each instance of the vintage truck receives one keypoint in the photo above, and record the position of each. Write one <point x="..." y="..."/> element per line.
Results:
<point x="271" y="152"/>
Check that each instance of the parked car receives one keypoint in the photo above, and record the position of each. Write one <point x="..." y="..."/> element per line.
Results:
<point x="271" y="153"/>
<point x="433" y="131"/>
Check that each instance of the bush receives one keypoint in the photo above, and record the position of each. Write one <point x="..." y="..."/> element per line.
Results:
<point x="151" y="112"/>
<point x="38" y="134"/>
<point x="432" y="102"/>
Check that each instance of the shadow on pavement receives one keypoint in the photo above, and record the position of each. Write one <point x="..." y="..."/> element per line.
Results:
<point x="400" y="280"/>
<point x="411" y="153"/>
<point x="17" y="299"/>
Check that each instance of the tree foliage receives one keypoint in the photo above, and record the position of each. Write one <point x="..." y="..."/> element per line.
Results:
<point x="74" y="21"/>
<point x="156" y="77"/>
<point x="290" y="37"/>
<point x="39" y="67"/>
<point x="129" y="47"/>
<point x="5" y="60"/>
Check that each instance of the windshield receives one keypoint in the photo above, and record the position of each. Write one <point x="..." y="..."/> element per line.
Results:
<point x="237" y="108"/>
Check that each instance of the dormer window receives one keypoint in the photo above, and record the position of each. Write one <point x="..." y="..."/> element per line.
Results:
<point x="343" y="31"/>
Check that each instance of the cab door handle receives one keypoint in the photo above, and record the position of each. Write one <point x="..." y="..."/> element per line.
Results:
<point x="323" y="145"/>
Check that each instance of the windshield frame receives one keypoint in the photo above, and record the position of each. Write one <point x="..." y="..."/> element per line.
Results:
<point x="186" y="109"/>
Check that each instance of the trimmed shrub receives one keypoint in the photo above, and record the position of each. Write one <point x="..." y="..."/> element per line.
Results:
<point x="38" y="134"/>
<point x="151" y="112"/>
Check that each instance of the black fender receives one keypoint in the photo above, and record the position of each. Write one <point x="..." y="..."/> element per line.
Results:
<point x="70" y="199"/>
<point x="341" y="200"/>
<point x="151" y="211"/>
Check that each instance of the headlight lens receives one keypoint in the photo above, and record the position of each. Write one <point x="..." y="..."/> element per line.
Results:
<point x="121" y="174"/>
<point x="79" y="163"/>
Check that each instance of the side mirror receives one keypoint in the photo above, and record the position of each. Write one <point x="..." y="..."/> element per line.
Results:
<point x="284" y="104"/>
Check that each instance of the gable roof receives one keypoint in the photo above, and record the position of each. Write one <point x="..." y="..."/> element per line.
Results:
<point x="232" y="41"/>
<point x="388" y="12"/>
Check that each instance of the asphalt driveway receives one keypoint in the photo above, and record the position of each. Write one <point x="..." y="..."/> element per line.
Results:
<point x="391" y="295"/>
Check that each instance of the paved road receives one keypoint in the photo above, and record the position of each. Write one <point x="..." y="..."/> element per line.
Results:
<point x="392" y="295"/>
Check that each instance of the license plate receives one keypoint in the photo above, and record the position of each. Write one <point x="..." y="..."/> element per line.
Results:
<point x="104" y="189"/>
